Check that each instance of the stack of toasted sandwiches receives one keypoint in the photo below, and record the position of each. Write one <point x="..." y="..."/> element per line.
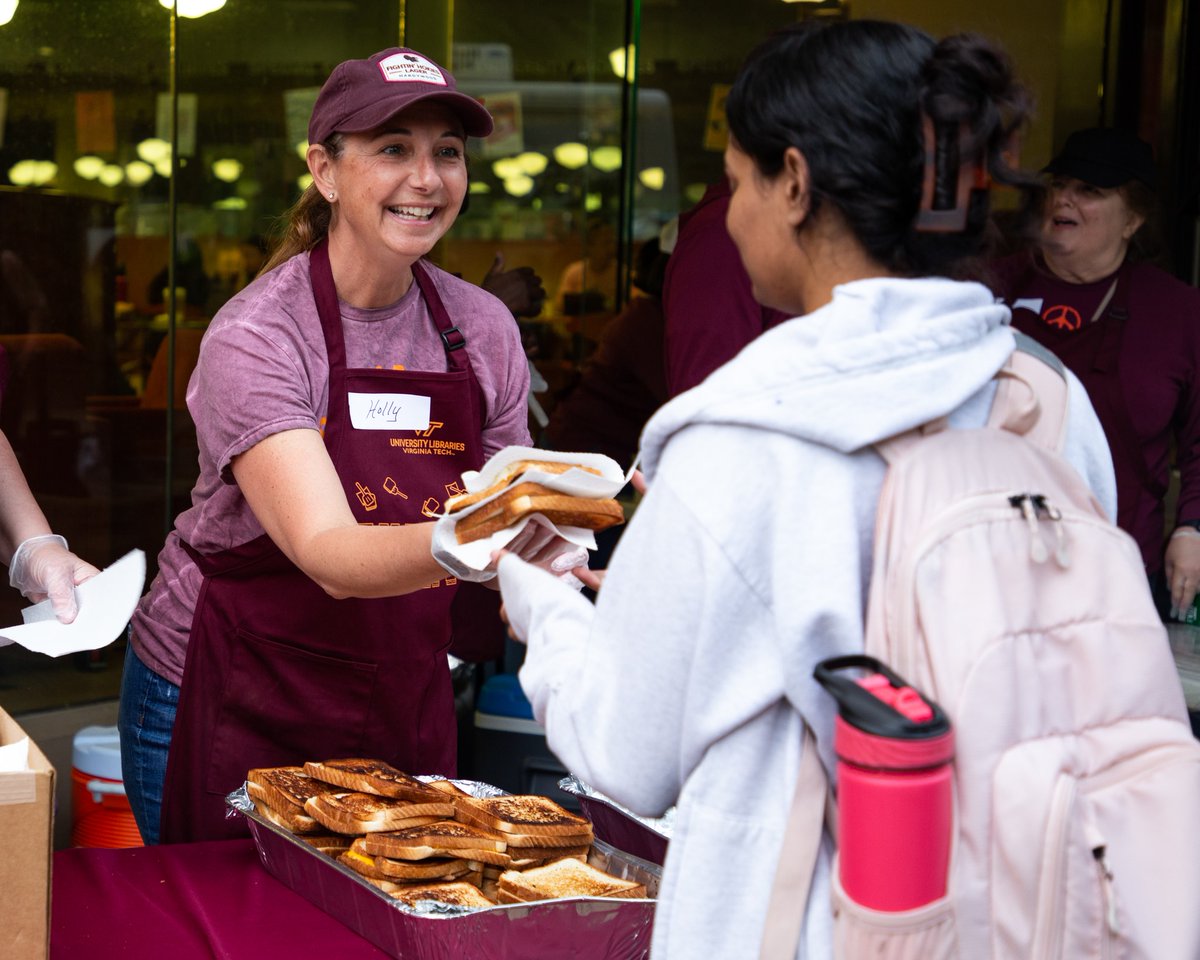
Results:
<point x="434" y="841"/>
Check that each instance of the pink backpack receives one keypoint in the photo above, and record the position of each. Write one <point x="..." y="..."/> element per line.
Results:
<point x="1076" y="775"/>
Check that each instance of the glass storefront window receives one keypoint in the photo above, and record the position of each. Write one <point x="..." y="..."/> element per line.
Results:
<point x="145" y="158"/>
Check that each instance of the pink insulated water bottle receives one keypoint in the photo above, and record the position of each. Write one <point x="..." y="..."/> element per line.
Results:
<point x="895" y="748"/>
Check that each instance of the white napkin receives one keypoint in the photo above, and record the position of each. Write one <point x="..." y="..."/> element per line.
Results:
<point x="473" y="561"/>
<point x="106" y="602"/>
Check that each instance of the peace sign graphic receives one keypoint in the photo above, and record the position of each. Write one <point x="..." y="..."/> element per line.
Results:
<point x="1063" y="317"/>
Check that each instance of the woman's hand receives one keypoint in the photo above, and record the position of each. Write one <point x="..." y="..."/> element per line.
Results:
<point x="1182" y="568"/>
<point x="43" y="568"/>
<point x="540" y="546"/>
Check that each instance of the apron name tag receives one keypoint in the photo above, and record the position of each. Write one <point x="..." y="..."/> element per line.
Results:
<point x="388" y="411"/>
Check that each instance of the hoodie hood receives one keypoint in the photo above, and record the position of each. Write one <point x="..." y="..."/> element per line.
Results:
<point x="885" y="355"/>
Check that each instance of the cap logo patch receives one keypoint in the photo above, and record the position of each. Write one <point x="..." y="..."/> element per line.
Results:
<point x="410" y="68"/>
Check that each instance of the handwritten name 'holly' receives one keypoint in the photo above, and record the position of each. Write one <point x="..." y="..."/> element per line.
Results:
<point x="385" y="410"/>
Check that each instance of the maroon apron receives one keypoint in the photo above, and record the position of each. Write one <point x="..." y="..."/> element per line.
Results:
<point x="1093" y="353"/>
<point x="277" y="671"/>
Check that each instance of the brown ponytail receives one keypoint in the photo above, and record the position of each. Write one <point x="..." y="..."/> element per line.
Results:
<point x="306" y="222"/>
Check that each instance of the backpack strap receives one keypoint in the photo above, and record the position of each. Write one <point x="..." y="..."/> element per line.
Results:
<point x="1031" y="399"/>
<point x="1031" y="395"/>
<point x="811" y="804"/>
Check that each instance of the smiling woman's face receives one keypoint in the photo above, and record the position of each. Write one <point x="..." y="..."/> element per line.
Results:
<point x="1085" y="227"/>
<point x="400" y="186"/>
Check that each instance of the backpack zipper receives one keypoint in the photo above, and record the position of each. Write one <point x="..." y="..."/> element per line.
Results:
<point x="1048" y="931"/>
<point x="991" y="506"/>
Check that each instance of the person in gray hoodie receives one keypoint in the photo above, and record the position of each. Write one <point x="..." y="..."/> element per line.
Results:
<point x="689" y="681"/>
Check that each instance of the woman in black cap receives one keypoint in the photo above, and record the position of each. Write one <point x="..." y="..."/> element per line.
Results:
<point x="298" y="613"/>
<point x="1130" y="331"/>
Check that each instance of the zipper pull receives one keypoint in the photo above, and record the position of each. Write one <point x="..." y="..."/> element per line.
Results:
<point x="1106" y="887"/>
<point x="1061" y="555"/>
<point x="1024" y="503"/>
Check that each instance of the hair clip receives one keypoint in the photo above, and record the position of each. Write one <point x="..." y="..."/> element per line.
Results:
<point x="935" y="215"/>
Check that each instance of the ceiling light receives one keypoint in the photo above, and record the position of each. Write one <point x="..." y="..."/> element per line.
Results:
<point x="621" y="59"/>
<point x="193" y="8"/>
<point x="163" y="167"/>
<point x="230" y="203"/>
<point x="531" y="162"/>
<point x="606" y="159"/>
<point x="32" y="173"/>
<point x="21" y="173"/>
<point x="7" y="9"/>
<point x="227" y="169"/>
<point x="507" y="167"/>
<point x="153" y="149"/>
<point x="518" y="186"/>
<point x="304" y="181"/>
<point x="571" y="155"/>
<point x="87" y="167"/>
<point x="302" y="150"/>
<point x="653" y="178"/>
<point x="593" y="202"/>
<point x="138" y="172"/>
<point x="478" y="186"/>
<point x="111" y="174"/>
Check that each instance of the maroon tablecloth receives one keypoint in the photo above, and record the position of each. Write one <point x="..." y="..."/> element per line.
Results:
<point x="184" y="901"/>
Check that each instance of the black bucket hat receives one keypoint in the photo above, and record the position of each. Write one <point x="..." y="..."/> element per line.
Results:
<point x="1105" y="157"/>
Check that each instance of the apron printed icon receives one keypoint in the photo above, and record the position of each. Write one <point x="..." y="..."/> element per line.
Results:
<point x="431" y="508"/>
<point x="365" y="497"/>
<point x="390" y="486"/>
<point x="453" y="489"/>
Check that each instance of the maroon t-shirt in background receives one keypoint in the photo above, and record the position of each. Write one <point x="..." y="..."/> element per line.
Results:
<point x="1159" y="368"/>
<point x="710" y="310"/>
<point x="621" y="385"/>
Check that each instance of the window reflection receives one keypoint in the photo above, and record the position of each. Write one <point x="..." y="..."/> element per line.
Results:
<point x="98" y="269"/>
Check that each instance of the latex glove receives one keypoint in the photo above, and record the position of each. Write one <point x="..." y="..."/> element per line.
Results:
<point x="44" y="567"/>
<point x="519" y="289"/>
<point x="1182" y="568"/>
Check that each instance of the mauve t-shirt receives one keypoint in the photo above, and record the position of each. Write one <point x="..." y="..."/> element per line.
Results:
<point x="263" y="369"/>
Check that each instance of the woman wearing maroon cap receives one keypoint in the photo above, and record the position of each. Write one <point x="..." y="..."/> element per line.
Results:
<point x="1130" y="331"/>
<point x="298" y="613"/>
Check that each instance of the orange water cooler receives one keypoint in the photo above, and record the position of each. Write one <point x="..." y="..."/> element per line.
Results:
<point x="100" y="814"/>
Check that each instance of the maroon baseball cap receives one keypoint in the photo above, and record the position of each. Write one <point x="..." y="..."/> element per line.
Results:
<point x="361" y="94"/>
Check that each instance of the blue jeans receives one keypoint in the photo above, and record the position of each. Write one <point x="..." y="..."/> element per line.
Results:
<point x="145" y="721"/>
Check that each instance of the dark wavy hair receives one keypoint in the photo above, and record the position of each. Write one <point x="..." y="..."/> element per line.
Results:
<point x="851" y="96"/>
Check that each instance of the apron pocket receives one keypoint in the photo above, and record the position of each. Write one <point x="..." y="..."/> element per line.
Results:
<point x="282" y="705"/>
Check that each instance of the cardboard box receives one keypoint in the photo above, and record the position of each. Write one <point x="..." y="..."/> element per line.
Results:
<point x="27" y="825"/>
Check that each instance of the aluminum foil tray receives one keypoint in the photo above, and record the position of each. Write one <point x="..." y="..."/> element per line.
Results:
<point x="641" y="837"/>
<point x="585" y="928"/>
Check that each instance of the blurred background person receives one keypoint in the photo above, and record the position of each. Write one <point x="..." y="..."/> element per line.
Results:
<point x="589" y="284"/>
<point x="623" y="382"/>
<point x="710" y="310"/>
<point x="1129" y="330"/>
<point x="519" y="288"/>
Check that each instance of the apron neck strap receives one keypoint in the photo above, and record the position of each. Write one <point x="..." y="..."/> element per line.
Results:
<point x="325" y="294"/>
<point x="452" y="338"/>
